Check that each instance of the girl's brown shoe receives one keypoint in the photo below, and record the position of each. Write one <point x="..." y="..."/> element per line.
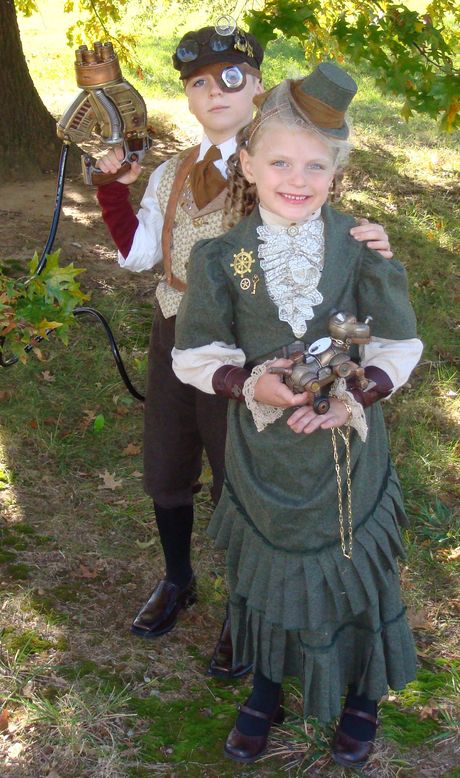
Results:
<point x="248" y="748"/>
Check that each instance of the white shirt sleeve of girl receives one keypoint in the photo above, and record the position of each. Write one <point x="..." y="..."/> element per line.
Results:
<point x="146" y="250"/>
<point x="396" y="357"/>
<point x="196" y="366"/>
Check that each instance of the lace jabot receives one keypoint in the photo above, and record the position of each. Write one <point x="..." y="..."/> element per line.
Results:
<point x="292" y="259"/>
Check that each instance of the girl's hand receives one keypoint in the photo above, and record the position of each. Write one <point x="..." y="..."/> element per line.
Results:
<point x="374" y="235"/>
<point x="271" y="390"/>
<point x="307" y="421"/>
<point x="111" y="163"/>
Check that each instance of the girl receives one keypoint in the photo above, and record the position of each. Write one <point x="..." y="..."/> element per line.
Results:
<point x="311" y="508"/>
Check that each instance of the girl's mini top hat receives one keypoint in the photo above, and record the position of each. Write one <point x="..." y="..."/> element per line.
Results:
<point x="203" y="47"/>
<point x="322" y="98"/>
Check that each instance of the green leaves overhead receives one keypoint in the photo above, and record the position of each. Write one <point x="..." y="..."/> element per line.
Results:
<point x="409" y="54"/>
<point x="33" y="306"/>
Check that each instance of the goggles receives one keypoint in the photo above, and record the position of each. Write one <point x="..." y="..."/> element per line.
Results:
<point x="231" y="78"/>
<point x="189" y="49"/>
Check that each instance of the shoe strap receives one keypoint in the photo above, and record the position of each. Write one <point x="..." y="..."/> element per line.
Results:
<point x="258" y="714"/>
<point x="361" y="714"/>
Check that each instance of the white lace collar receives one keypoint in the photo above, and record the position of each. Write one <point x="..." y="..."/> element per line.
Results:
<point x="292" y="259"/>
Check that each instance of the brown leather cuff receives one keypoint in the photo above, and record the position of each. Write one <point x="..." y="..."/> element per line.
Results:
<point x="228" y="381"/>
<point x="379" y="387"/>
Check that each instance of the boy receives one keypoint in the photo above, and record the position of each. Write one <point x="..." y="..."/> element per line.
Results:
<point x="184" y="202"/>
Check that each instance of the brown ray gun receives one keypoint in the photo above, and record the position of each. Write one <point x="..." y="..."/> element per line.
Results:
<point x="108" y="107"/>
<point x="327" y="359"/>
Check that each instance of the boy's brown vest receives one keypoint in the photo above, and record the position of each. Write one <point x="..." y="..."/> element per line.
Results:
<point x="183" y="226"/>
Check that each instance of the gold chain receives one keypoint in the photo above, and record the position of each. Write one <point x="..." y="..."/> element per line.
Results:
<point x="346" y="439"/>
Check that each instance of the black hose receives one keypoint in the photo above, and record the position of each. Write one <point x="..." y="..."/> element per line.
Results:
<point x="113" y="346"/>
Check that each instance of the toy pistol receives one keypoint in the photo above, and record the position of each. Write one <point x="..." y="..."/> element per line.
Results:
<point x="327" y="359"/>
<point x="108" y="107"/>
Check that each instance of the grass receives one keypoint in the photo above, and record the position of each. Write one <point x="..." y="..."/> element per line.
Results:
<point x="86" y="700"/>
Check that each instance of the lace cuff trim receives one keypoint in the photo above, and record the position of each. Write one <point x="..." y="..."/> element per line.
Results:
<point x="358" y="417"/>
<point x="262" y="414"/>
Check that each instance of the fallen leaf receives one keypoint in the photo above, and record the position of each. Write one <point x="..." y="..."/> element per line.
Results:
<point x="33" y="423"/>
<point x="145" y="543"/>
<point x="136" y="474"/>
<point x="88" y="417"/>
<point x="419" y="619"/>
<point x="109" y="481"/>
<point x="429" y="712"/>
<point x="39" y="354"/>
<point x="15" y="750"/>
<point x="86" y="572"/>
<point x="4" y="716"/>
<point x="99" y="422"/>
<point x="454" y="554"/>
<point x="5" y="395"/>
<point x="131" y="450"/>
<point x="47" y="376"/>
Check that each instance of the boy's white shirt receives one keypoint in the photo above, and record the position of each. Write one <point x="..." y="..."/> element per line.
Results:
<point x="146" y="251"/>
<point x="196" y="366"/>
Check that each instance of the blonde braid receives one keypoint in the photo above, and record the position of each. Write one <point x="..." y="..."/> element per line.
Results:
<point x="242" y="196"/>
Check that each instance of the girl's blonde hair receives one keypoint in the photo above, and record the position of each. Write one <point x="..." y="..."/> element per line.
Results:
<point x="278" y="107"/>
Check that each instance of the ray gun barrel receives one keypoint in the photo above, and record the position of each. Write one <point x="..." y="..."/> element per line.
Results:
<point x="328" y="358"/>
<point x="108" y="107"/>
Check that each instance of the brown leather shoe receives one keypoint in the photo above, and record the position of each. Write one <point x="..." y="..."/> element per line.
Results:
<point x="221" y="664"/>
<point x="159" y="614"/>
<point x="348" y="751"/>
<point x="248" y="748"/>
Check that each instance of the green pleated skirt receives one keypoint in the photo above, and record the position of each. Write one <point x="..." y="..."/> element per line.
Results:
<point x="326" y="619"/>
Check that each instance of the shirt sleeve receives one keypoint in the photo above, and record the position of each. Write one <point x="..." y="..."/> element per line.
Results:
<point x="396" y="357"/>
<point x="146" y="250"/>
<point x="196" y="366"/>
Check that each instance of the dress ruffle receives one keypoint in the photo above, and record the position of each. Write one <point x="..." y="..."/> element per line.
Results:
<point x="329" y="620"/>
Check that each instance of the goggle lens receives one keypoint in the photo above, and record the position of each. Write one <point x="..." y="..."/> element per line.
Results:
<point x="233" y="78"/>
<point x="188" y="50"/>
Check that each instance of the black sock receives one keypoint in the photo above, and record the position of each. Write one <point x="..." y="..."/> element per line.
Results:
<point x="355" y="726"/>
<point x="175" y="529"/>
<point x="265" y="697"/>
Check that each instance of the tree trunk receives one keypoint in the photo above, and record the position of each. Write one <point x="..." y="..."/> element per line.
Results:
<point x="28" y="142"/>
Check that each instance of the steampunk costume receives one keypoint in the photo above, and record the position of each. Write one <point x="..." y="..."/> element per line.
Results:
<point x="298" y="606"/>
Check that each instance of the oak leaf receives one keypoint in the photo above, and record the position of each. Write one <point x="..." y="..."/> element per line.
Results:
<point x="109" y="481"/>
<point x="131" y="450"/>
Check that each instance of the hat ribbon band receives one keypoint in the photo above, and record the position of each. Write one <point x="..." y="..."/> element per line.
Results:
<point x="320" y="113"/>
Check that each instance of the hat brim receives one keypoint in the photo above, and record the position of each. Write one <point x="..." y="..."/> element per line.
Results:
<point x="189" y="68"/>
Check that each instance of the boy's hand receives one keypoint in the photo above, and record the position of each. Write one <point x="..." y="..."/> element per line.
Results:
<point x="111" y="162"/>
<point x="271" y="390"/>
<point x="307" y="421"/>
<point x="374" y="235"/>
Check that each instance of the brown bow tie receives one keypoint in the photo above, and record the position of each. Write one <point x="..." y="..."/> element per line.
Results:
<point x="205" y="179"/>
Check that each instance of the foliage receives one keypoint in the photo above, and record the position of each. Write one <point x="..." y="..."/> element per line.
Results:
<point x="408" y="54"/>
<point x="32" y="307"/>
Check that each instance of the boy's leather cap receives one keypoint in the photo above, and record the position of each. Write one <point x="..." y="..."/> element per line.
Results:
<point x="236" y="48"/>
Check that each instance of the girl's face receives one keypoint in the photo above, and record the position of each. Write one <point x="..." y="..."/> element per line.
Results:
<point x="292" y="170"/>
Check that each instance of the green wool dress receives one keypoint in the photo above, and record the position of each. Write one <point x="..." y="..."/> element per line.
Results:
<point x="298" y="606"/>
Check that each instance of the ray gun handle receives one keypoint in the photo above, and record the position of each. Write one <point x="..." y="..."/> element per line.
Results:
<point x="108" y="107"/>
<point x="326" y="359"/>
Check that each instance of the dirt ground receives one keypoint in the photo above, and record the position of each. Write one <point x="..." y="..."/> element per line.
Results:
<point x="26" y="211"/>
